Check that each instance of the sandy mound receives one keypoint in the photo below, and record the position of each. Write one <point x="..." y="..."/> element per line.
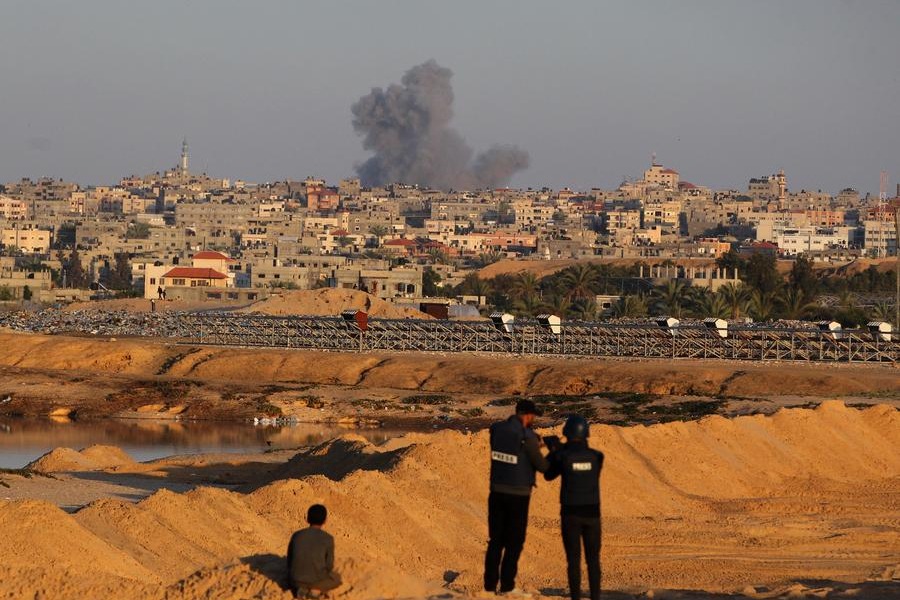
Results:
<point x="330" y="302"/>
<point x="717" y="504"/>
<point x="143" y="305"/>
<point x="93" y="458"/>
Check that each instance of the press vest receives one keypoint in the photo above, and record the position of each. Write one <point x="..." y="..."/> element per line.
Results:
<point x="580" y="466"/>
<point x="510" y="464"/>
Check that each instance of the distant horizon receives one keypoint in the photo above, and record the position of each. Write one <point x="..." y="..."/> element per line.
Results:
<point x="891" y="192"/>
<point x="722" y="91"/>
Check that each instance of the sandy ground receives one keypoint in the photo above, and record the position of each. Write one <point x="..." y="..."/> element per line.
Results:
<point x="92" y="377"/>
<point x="321" y="302"/>
<point x="802" y="503"/>
<point x="331" y="301"/>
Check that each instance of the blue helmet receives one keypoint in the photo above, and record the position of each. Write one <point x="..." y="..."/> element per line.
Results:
<point x="576" y="427"/>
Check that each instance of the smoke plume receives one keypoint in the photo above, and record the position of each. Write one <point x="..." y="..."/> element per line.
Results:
<point x="407" y="126"/>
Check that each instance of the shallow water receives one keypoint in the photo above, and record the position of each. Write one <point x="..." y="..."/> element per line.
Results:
<point x="23" y="440"/>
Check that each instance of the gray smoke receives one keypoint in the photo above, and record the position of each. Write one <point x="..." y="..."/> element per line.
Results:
<point x="407" y="128"/>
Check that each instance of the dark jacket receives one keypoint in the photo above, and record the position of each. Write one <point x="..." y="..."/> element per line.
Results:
<point x="310" y="556"/>
<point x="579" y="465"/>
<point x="515" y="456"/>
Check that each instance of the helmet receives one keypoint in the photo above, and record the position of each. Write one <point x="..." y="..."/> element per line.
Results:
<point x="576" y="427"/>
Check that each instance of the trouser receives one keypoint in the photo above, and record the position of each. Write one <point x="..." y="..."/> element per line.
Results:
<point x="575" y="531"/>
<point x="507" y="522"/>
<point x="323" y="585"/>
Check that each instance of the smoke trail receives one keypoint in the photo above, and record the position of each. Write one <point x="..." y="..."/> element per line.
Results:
<point x="407" y="128"/>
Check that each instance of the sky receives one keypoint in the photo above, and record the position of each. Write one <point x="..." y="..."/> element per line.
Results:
<point x="720" y="90"/>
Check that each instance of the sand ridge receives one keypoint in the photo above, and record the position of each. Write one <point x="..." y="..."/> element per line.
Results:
<point x="718" y="504"/>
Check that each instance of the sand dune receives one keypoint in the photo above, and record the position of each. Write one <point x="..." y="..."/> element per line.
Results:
<point x="330" y="302"/>
<point x="718" y="505"/>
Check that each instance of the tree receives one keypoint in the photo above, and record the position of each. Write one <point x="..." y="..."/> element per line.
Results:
<point x="73" y="271"/>
<point x="707" y="304"/>
<point x="730" y="261"/>
<point x="138" y="231"/>
<point x="579" y="280"/>
<point x="559" y="305"/>
<point x="344" y="241"/>
<point x="630" y="306"/>
<point x="736" y="298"/>
<point x="671" y="298"/>
<point x="118" y="277"/>
<point x="802" y="277"/>
<point x="762" y="305"/>
<point x="761" y="273"/>
<point x="379" y="231"/>
<point x="526" y="283"/>
<point x="472" y="285"/>
<point x="528" y="304"/>
<point x="584" y="309"/>
<point x="6" y="293"/>
<point x="794" y="303"/>
<point x="430" y="281"/>
<point x="438" y="256"/>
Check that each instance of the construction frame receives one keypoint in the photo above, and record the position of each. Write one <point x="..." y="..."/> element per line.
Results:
<point x="354" y="331"/>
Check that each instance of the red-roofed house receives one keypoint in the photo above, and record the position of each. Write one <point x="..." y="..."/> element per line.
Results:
<point x="209" y="259"/>
<point x="193" y="277"/>
<point x="400" y="246"/>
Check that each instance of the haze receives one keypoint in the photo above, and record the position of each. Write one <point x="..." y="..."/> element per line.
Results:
<point x="91" y="91"/>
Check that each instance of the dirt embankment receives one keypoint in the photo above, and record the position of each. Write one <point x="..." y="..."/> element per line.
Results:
<point x="753" y="504"/>
<point x="102" y="377"/>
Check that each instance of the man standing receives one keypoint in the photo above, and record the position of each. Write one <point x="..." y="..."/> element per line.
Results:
<point x="515" y="456"/>
<point x="579" y="497"/>
<point x="310" y="557"/>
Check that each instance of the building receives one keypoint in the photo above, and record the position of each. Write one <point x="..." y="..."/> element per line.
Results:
<point x="661" y="176"/>
<point x="28" y="240"/>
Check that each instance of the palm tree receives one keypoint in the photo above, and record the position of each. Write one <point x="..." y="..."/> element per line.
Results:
<point x="793" y="303"/>
<point x="526" y="283"/>
<point x="476" y="286"/>
<point x="630" y="306"/>
<point x="559" y="305"/>
<point x="762" y="305"/>
<point x="379" y="231"/>
<point x="736" y="298"/>
<point x="883" y="311"/>
<point x="529" y="305"/>
<point x="707" y="304"/>
<point x="580" y="280"/>
<point x="585" y="309"/>
<point x="671" y="298"/>
<point x="438" y="256"/>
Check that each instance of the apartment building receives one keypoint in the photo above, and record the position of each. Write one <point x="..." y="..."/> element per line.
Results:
<point x="28" y="240"/>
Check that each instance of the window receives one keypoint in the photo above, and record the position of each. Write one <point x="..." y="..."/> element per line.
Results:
<point x="153" y="281"/>
<point x="178" y="282"/>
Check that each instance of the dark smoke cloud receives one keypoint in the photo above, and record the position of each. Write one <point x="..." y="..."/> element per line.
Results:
<point x="407" y="126"/>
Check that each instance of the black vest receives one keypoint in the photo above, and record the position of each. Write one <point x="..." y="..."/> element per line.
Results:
<point x="580" y="466"/>
<point x="509" y="462"/>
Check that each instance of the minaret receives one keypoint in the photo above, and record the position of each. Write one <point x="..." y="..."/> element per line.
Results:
<point x="184" y="157"/>
<point x="782" y="186"/>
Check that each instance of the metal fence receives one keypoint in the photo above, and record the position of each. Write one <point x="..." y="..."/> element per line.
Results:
<point x="642" y="340"/>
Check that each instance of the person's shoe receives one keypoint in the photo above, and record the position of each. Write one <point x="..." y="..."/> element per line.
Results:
<point x="515" y="593"/>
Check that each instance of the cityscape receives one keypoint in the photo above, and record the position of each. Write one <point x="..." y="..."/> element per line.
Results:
<point x="203" y="238"/>
<point x="465" y="300"/>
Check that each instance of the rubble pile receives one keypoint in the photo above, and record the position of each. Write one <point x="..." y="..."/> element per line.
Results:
<point x="97" y="322"/>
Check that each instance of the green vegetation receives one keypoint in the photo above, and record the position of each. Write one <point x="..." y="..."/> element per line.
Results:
<point x="763" y="294"/>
